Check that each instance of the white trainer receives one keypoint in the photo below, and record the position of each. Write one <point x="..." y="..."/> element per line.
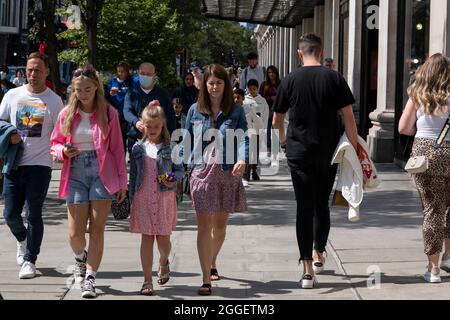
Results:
<point x="245" y="183"/>
<point x="308" y="281"/>
<point x="21" y="250"/>
<point x="445" y="263"/>
<point x="28" y="270"/>
<point x="319" y="264"/>
<point x="88" y="290"/>
<point x="432" y="275"/>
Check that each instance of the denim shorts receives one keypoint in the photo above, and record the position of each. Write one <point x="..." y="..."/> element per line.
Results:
<point x="84" y="181"/>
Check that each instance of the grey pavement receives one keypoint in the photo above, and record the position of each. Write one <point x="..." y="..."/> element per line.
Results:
<point x="380" y="257"/>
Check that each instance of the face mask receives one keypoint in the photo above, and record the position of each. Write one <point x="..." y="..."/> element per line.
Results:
<point x="2" y="75"/>
<point x="145" y="81"/>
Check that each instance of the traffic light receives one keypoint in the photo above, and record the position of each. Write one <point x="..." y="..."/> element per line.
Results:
<point x="15" y="54"/>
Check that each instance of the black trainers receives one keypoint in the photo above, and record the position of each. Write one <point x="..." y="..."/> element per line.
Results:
<point x="79" y="272"/>
<point x="88" y="290"/>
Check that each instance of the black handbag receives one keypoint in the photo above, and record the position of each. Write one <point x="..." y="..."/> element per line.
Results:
<point x="121" y="211"/>
<point x="186" y="183"/>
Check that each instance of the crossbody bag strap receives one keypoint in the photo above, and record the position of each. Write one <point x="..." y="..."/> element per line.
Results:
<point x="444" y="132"/>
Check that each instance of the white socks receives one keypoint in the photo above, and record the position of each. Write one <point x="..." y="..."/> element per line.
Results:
<point x="90" y="273"/>
<point x="80" y="257"/>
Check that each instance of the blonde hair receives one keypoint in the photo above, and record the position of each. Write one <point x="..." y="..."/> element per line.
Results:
<point x="87" y="72"/>
<point x="155" y="111"/>
<point x="431" y="86"/>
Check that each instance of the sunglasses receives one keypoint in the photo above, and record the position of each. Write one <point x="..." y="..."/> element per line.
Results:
<point x="85" y="72"/>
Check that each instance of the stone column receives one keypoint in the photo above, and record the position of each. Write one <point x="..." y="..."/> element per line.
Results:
<point x="354" y="53"/>
<point x="381" y="135"/>
<point x="328" y="29"/>
<point x="293" y="50"/>
<point x="319" y="24"/>
<point x="336" y="26"/>
<point x="282" y="44"/>
<point x="274" y="41"/>
<point x="440" y="27"/>
<point x="287" y="50"/>
<point x="307" y="25"/>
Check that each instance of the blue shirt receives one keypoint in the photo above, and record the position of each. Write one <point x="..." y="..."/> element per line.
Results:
<point x="121" y="89"/>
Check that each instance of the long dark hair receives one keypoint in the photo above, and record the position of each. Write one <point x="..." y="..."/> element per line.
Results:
<point x="277" y="75"/>
<point x="204" y="100"/>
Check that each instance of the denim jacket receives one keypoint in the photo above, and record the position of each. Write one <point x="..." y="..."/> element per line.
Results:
<point x="229" y="127"/>
<point x="164" y="164"/>
<point x="12" y="153"/>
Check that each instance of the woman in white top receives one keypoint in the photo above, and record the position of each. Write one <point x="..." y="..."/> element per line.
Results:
<point x="424" y="117"/>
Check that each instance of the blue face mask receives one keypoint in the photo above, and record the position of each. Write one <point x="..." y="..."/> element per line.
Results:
<point x="145" y="81"/>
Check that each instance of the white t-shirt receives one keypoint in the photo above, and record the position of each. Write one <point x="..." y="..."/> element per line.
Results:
<point x="151" y="150"/>
<point x="83" y="139"/>
<point x="34" y="116"/>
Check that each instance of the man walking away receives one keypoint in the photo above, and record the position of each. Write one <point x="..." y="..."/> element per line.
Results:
<point x="313" y="95"/>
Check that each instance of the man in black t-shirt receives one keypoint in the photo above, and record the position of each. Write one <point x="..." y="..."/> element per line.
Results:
<point x="313" y="95"/>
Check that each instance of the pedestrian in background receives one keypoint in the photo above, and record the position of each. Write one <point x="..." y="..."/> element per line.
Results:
<point x="328" y="63"/>
<point x="215" y="184"/>
<point x="313" y="95"/>
<point x="187" y="92"/>
<point x="253" y="71"/>
<point x="88" y="139"/>
<point x="424" y="117"/>
<point x="118" y="88"/>
<point x="139" y="96"/>
<point x="255" y="103"/>
<point x="20" y="79"/>
<point x="153" y="184"/>
<point x="269" y="90"/>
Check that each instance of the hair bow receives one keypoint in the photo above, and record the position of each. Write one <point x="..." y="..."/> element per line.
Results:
<point x="154" y="103"/>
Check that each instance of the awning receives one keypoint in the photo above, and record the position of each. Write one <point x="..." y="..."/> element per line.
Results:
<point x="285" y="13"/>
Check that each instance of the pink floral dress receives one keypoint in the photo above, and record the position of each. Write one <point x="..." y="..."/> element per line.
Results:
<point x="153" y="212"/>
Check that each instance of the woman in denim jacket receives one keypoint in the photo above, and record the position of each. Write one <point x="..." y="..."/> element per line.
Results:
<point x="153" y="182"/>
<point x="217" y="163"/>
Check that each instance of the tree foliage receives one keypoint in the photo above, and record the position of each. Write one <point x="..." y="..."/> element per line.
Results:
<point x="138" y="31"/>
<point x="213" y="37"/>
<point x="154" y="31"/>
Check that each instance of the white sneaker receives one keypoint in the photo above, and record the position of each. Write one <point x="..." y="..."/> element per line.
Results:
<point x="319" y="265"/>
<point x="445" y="263"/>
<point x="265" y="160"/>
<point x="28" y="270"/>
<point x="245" y="183"/>
<point x="308" y="281"/>
<point x="88" y="290"/>
<point x="21" y="250"/>
<point x="432" y="275"/>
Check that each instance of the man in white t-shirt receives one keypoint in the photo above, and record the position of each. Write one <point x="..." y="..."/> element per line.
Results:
<point x="33" y="109"/>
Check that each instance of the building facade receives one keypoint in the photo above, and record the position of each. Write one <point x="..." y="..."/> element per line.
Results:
<point x="377" y="45"/>
<point x="13" y="33"/>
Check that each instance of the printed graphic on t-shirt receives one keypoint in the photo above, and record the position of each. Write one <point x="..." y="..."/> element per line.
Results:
<point x="30" y="118"/>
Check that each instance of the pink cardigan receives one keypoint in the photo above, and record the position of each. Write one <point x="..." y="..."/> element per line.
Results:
<point x="110" y="151"/>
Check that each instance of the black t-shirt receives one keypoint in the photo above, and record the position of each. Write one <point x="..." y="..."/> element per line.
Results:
<point x="313" y="95"/>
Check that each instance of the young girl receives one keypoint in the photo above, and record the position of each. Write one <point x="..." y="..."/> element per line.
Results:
<point x="87" y="138"/>
<point x="153" y="182"/>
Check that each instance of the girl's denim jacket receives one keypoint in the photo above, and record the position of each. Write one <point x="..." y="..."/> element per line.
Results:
<point x="231" y="137"/>
<point x="164" y="164"/>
